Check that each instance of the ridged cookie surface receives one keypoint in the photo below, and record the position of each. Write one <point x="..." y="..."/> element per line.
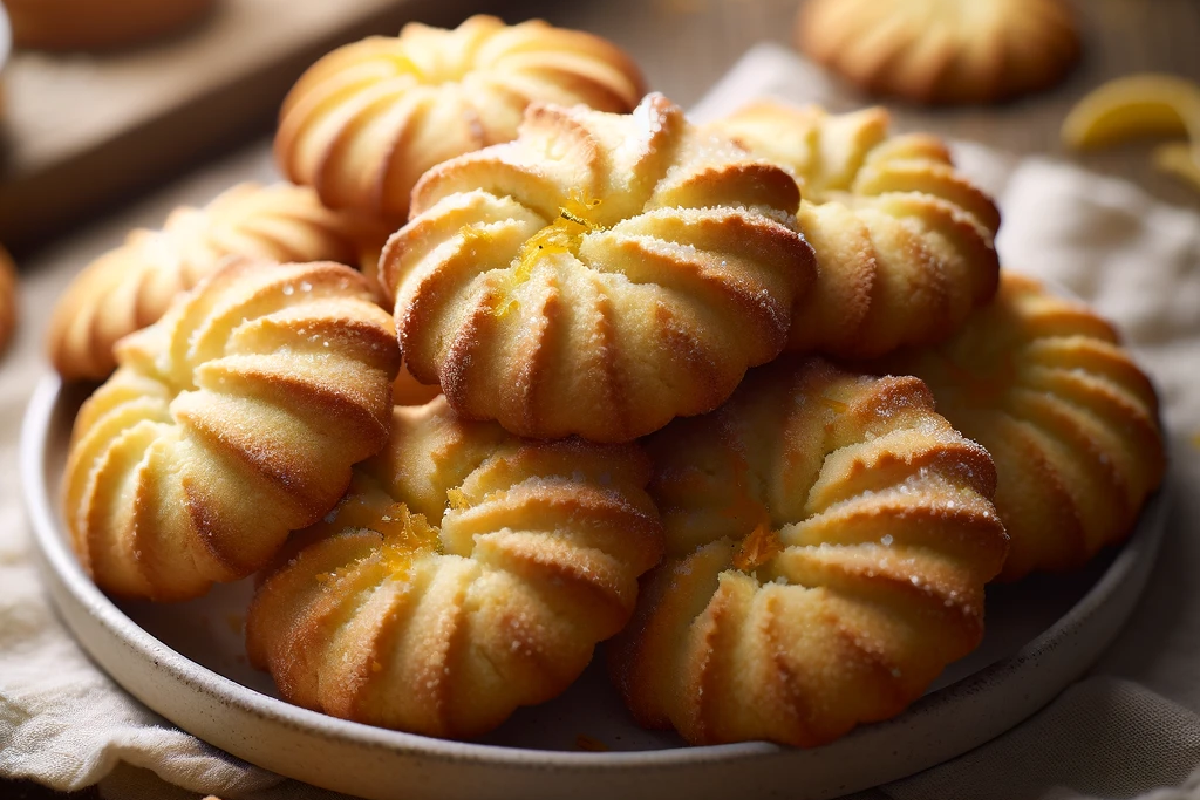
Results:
<point x="467" y="572"/>
<point x="367" y="120"/>
<point x="232" y="420"/>
<point x="130" y="287"/>
<point x="828" y="540"/>
<point x="1071" y="421"/>
<point x="599" y="275"/>
<point x="942" y="51"/>
<point x="904" y="242"/>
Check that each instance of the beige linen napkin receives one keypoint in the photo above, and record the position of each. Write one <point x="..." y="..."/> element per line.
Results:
<point x="1132" y="728"/>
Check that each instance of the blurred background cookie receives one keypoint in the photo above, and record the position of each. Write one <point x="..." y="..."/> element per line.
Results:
<point x="941" y="51"/>
<point x="8" y="298"/>
<point x="99" y="24"/>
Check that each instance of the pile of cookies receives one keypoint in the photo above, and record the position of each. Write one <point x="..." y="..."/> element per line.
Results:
<point x="753" y="401"/>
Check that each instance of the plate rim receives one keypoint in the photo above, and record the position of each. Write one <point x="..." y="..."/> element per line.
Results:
<point x="37" y="425"/>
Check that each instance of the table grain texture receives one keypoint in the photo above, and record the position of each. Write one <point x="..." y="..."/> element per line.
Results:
<point x="684" y="46"/>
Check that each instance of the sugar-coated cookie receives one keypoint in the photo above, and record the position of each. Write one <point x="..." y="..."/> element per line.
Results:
<point x="232" y="420"/>
<point x="828" y="538"/>
<point x="1071" y="421"/>
<point x="905" y="244"/>
<point x="364" y="123"/>
<point x="600" y="275"/>
<point x="131" y="286"/>
<point x="466" y="573"/>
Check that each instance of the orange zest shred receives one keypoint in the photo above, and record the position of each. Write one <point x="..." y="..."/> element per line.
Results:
<point x="457" y="500"/>
<point x="560" y="236"/>
<point x="405" y="535"/>
<point x="757" y="549"/>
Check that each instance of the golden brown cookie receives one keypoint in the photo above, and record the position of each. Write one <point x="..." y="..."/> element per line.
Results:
<point x="8" y="298"/>
<point x="905" y="244"/>
<point x="1069" y="418"/>
<point x="232" y="420"/>
<point x="599" y="275"/>
<point x="130" y="287"/>
<point x="99" y="24"/>
<point x="466" y="573"/>
<point x="942" y="51"/>
<point x="364" y="123"/>
<point x="828" y="537"/>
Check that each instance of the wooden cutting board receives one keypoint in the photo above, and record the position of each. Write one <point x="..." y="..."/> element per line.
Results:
<point x="80" y="132"/>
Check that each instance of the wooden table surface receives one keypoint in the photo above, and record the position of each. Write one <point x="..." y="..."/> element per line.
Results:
<point x="686" y="45"/>
<point x="83" y="131"/>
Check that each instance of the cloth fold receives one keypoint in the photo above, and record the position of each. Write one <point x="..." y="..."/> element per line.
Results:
<point x="1129" y="729"/>
<point x="1102" y="737"/>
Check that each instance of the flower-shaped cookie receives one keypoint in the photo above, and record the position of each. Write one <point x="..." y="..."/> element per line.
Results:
<point x="131" y="286"/>
<point x="232" y="420"/>
<point x="367" y="120"/>
<point x="466" y="572"/>
<point x="599" y="275"/>
<point x="1069" y="418"/>
<point x="828" y="539"/>
<point x="904" y="243"/>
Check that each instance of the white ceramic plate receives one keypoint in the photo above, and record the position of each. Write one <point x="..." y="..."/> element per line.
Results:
<point x="186" y="661"/>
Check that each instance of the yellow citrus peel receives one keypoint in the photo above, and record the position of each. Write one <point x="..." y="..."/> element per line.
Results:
<point x="405" y="534"/>
<point x="1140" y="106"/>
<point x="457" y="499"/>
<point x="1181" y="159"/>
<point x="757" y="549"/>
<point x="1133" y="107"/>
<point x="562" y="235"/>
